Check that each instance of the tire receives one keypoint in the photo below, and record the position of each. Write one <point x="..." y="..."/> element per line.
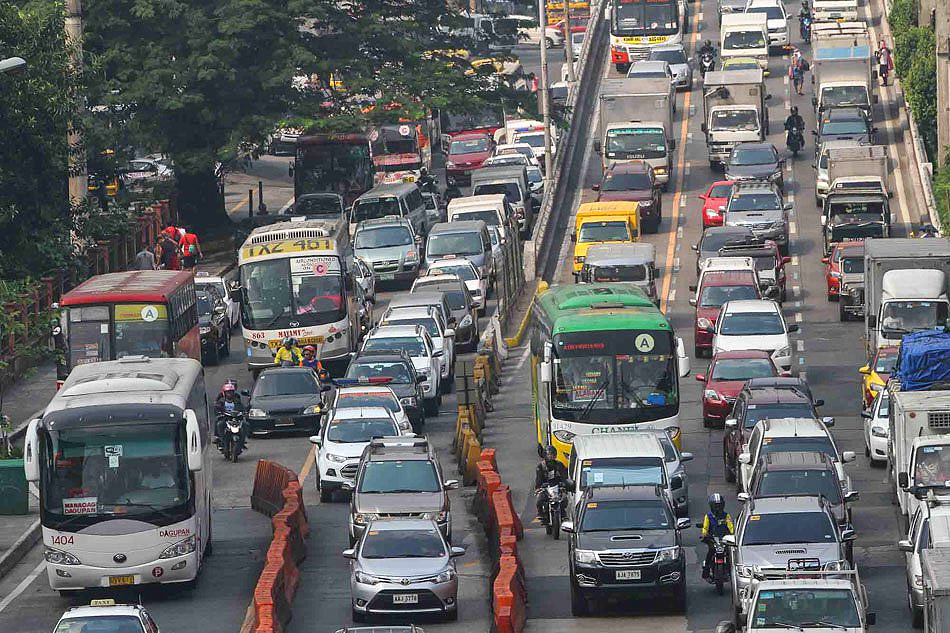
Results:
<point x="831" y="298"/>
<point x="579" y="607"/>
<point x="916" y="615"/>
<point x="720" y="586"/>
<point x="555" y="528"/>
<point x="326" y="496"/>
<point x="358" y="616"/>
<point x="226" y="350"/>
<point x="549" y="42"/>
<point x="235" y="453"/>
<point x="697" y="352"/>
<point x="228" y="448"/>
<point x="730" y="472"/>
<point x="453" y="615"/>
<point x="548" y="529"/>
<point x="678" y="601"/>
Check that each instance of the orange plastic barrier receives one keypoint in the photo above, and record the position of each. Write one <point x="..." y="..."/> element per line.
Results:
<point x="509" y="597"/>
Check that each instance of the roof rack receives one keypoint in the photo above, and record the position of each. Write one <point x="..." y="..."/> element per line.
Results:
<point x="399" y="441"/>
<point x="809" y="574"/>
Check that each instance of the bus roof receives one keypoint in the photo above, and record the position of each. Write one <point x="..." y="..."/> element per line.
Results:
<point x="566" y="298"/>
<point x="599" y="319"/>
<point x="132" y="286"/>
<point x="599" y="306"/>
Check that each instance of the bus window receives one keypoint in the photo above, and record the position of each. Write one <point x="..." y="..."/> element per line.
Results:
<point x="142" y="330"/>
<point x="89" y="335"/>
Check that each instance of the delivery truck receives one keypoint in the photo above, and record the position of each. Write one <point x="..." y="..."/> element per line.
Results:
<point x="734" y="111"/>
<point x="842" y="66"/>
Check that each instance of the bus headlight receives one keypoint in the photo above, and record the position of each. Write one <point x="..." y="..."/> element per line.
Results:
<point x="564" y="436"/>
<point x="58" y="557"/>
<point x="181" y="548"/>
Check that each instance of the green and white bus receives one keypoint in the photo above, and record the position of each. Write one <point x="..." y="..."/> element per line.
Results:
<point x="604" y="359"/>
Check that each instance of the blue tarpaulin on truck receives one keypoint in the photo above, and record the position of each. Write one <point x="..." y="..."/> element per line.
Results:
<point x="924" y="360"/>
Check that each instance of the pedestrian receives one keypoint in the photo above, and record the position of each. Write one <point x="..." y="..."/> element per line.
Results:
<point x="190" y="249"/>
<point x="885" y="61"/>
<point x="144" y="259"/>
<point x="168" y="246"/>
<point x="533" y="82"/>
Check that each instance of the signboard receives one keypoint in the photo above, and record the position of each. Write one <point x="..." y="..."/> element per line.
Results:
<point x="147" y="312"/>
<point x="287" y="246"/>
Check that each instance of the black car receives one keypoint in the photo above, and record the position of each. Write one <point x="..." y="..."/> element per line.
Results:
<point x="716" y="237"/>
<point x="755" y="161"/>
<point x="844" y="124"/>
<point x="286" y="399"/>
<point x="460" y="307"/>
<point x="213" y="325"/>
<point x="394" y="370"/>
<point x="317" y="206"/>
<point x="625" y="540"/>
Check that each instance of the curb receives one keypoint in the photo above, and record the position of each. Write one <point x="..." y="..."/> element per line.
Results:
<point x="23" y="545"/>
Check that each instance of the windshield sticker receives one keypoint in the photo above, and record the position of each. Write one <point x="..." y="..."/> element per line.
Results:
<point x="932" y="449"/>
<point x="598" y="478"/>
<point x="113" y="461"/>
<point x="644" y="343"/>
<point x="149" y="313"/>
<point x="140" y="312"/>
<point x="81" y="505"/>
<point x="766" y="595"/>
<point x="760" y="621"/>
<point x="318" y="266"/>
<point x="113" y="449"/>
<point x="586" y="462"/>
<point x="103" y="328"/>
<point x="591" y="505"/>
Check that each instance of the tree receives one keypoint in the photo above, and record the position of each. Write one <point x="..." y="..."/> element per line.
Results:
<point x="197" y="80"/>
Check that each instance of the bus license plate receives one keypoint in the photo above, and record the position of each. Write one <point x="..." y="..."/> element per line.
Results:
<point x="631" y="574"/>
<point x="120" y="581"/>
<point x="406" y="598"/>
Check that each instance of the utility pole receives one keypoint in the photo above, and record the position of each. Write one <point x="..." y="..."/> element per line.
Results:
<point x="77" y="152"/>
<point x="568" y="43"/>
<point x="545" y="97"/>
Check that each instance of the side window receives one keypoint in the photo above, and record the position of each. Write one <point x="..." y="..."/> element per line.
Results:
<point x="923" y="542"/>
<point x="404" y="206"/>
<point x="486" y="241"/>
<point x="754" y="440"/>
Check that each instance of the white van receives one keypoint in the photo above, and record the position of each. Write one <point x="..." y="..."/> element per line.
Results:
<point x="403" y="199"/>
<point x="745" y="35"/>
<point x="493" y="209"/>
<point x="615" y="459"/>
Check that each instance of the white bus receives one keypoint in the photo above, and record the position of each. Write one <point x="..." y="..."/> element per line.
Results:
<point x="121" y="458"/>
<point x="294" y="282"/>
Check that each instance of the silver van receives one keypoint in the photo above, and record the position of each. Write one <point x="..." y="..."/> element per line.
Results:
<point x="403" y="199"/>
<point x="467" y="239"/>
<point x="426" y="298"/>
<point x="512" y="181"/>
<point x="634" y="263"/>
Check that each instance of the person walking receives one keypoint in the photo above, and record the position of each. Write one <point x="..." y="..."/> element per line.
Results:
<point x="144" y="259"/>
<point x="190" y="249"/>
<point x="168" y="247"/>
<point x="885" y="61"/>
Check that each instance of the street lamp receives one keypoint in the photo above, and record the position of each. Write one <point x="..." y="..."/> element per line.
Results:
<point x="12" y="65"/>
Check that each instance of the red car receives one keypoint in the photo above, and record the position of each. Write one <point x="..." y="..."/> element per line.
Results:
<point x="833" y="266"/>
<point x="727" y="373"/>
<point x="717" y="288"/>
<point x="633" y="181"/>
<point x="716" y="196"/>
<point x="467" y="152"/>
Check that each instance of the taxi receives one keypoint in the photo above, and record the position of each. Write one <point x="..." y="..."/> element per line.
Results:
<point x="876" y="374"/>
<point x="105" y="616"/>
<point x="615" y="222"/>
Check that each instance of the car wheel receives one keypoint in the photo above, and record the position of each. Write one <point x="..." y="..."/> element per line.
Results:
<point x="226" y="349"/>
<point x="358" y="616"/>
<point x="697" y="352"/>
<point x="549" y="42"/>
<point x="326" y="495"/>
<point x="916" y="615"/>
<point x="453" y="615"/>
<point x="578" y="602"/>
<point x="842" y="314"/>
<point x="678" y="601"/>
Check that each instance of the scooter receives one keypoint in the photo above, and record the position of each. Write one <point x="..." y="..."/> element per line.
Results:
<point x="707" y="62"/>
<point x="795" y="141"/>
<point x="233" y="438"/>
<point x="554" y="509"/>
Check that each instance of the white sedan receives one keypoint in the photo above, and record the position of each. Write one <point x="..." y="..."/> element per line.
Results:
<point x="754" y="324"/>
<point x="467" y="272"/>
<point x="877" y="428"/>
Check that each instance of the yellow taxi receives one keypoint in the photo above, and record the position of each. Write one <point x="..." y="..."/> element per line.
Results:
<point x="876" y="374"/>
<point x="604" y="223"/>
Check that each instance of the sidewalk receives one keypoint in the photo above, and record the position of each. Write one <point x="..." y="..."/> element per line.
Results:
<point x="272" y="171"/>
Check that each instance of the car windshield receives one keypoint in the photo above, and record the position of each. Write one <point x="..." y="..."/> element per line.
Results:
<point x="739" y="40"/>
<point x="318" y="205"/>
<point x="757" y="156"/>
<point x="488" y="216"/>
<point x="806" y="608"/>
<point x="844" y="96"/>
<point x="383" y="237"/>
<point x="788" y="527"/>
<point x="285" y="383"/>
<point x="409" y="344"/>
<point x="397" y="372"/>
<point x="402" y="544"/>
<point x="755" y="202"/>
<point x="463" y="270"/>
<point x="614" y="516"/>
<point x="743" y="120"/>
<point x="740" y="64"/>
<point x="635" y="142"/>
<point x="427" y="322"/>
<point x="798" y="483"/>
<point x="100" y="624"/>
<point x="815" y="444"/>
<point x="852" y="265"/>
<point x="720" y="191"/>
<point x="932" y="466"/>
<point x="637" y="181"/>
<point x="844" y="127"/>
<point x="371" y="208"/>
<point x="751" y="324"/>
<point x="715" y="296"/>
<point x="772" y="13"/>
<point x="467" y="243"/>
<point x="352" y="399"/>
<point x="356" y="430"/>
<point x="713" y="241"/>
<point x="742" y="369"/>
<point x="670" y="56"/>
<point x="773" y="410"/>
<point x="399" y="476"/>
<point x="470" y="146"/>
<point x="903" y="317"/>
<point x="604" y="232"/>
<point x="885" y="362"/>
<point x="619" y="471"/>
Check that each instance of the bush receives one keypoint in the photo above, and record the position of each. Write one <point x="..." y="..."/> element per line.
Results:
<point x="941" y="185"/>
<point x="903" y="15"/>
<point x="920" y="90"/>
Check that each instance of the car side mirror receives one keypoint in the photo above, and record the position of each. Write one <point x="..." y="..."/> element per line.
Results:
<point x="903" y="481"/>
<point x="595" y="186"/>
<point x="692" y="288"/>
<point x="686" y="457"/>
<point x="848" y="535"/>
<point x="702" y="128"/>
<point x="871" y="616"/>
<point x="873" y="130"/>
<point x="695" y="247"/>
<point x="786" y="260"/>
<point x="438" y="353"/>
<point x="449" y="333"/>
<point x="866" y="369"/>
<point x="700" y="377"/>
<point x="722" y="208"/>
<point x="726" y="626"/>
<point x="729" y="539"/>
<point x="731" y="423"/>
<point x="793" y="327"/>
<point x="676" y="482"/>
<point x="455" y="552"/>
<point x="245" y="393"/>
<point x="788" y="207"/>
<point x="819" y="403"/>
<point x="567" y="527"/>
<point x="692" y="301"/>
<point x="598" y="147"/>
<point x="743" y="496"/>
<point x="867" y="415"/>
<point x="822" y="220"/>
<point x="315" y="440"/>
<point x="814" y="132"/>
<point x="420" y="379"/>
<point x="872" y="320"/>
<point x="744" y="458"/>
<point x="852" y="496"/>
<point x="905" y="545"/>
<point x="349" y="553"/>
<point x="682" y="523"/>
<point x="573" y="237"/>
<point x="847" y="456"/>
<point x="825" y="260"/>
<point x="450" y="484"/>
<point x="325" y="388"/>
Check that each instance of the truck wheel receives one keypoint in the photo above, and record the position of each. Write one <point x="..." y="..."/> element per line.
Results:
<point x="842" y="314"/>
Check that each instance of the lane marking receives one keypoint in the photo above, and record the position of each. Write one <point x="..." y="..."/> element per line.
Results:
<point x="798" y="317"/>
<point x="26" y="582"/>
<point x="307" y="465"/>
<point x="238" y="206"/>
<point x="796" y="291"/>
<point x="792" y="228"/>
<point x="800" y="345"/>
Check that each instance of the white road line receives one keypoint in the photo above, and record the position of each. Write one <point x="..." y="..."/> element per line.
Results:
<point x="798" y="317"/>
<point x="676" y="264"/>
<point x="689" y="137"/>
<point x="26" y="582"/>
<point x="679" y="233"/>
<point x="686" y="171"/>
<point x="796" y="291"/>
<point x="792" y="228"/>
<point x="800" y="345"/>
<point x="672" y="296"/>
<point x="801" y="360"/>
<point x="699" y="16"/>
<point x="794" y="260"/>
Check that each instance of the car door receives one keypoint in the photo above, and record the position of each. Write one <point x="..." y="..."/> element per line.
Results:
<point x="752" y="449"/>
<point x="435" y="361"/>
<point x="912" y="558"/>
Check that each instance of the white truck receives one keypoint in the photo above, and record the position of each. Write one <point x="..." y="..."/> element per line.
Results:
<point x="636" y="123"/>
<point x="734" y="111"/>
<point x="905" y="288"/>
<point x="850" y="162"/>
<point x="834" y="10"/>
<point x="745" y="35"/>
<point x="919" y="444"/>
<point x="842" y="65"/>
<point x="936" y="579"/>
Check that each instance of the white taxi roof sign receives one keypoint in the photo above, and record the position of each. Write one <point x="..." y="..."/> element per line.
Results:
<point x="102" y="602"/>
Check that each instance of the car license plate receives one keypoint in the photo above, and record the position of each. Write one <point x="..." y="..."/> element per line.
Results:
<point x="631" y="574"/>
<point x="284" y="422"/>
<point x="406" y="598"/>
<point x="119" y="581"/>
<point x="386" y="276"/>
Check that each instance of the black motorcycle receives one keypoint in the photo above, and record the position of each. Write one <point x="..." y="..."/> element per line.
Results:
<point x="554" y="509"/>
<point x="233" y="438"/>
<point x="719" y="570"/>
<point x="795" y="141"/>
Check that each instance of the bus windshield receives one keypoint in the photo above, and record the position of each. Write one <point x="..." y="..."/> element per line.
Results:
<point x="137" y="330"/>
<point x="306" y="289"/>
<point x="344" y="168"/>
<point x="639" y="17"/>
<point x="602" y="375"/>
<point x="131" y="471"/>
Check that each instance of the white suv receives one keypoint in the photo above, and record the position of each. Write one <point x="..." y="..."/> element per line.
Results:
<point x="426" y="357"/>
<point x="442" y="337"/>
<point x="777" y="19"/>
<point x="754" y="324"/>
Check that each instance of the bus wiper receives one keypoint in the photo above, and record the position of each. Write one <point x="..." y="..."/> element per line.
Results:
<point x="630" y="392"/>
<point x="268" y="325"/>
<point x="593" y="401"/>
<point x="153" y="508"/>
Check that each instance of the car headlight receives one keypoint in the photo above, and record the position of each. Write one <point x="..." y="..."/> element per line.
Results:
<point x="408" y="402"/>
<point x="181" y="548"/>
<point x="879" y="431"/>
<point x="466" y="321"/>
<point x="449" y="164"/>
<point x="58" y="557"/>
<point x="412" y="257"/>
<point x="785" y="351"/>
<point x="362" y="518"/>
<point x="745" y="571"/>
<point x="256" y="413"/>
<point x="204" y="329"/>
<point x="446" y="576"/>
<point x="711" y="394"/>
<point x="585" y="556"/>
<point x="313" y="410"/>
<point x="339" y="459"/>
<point x="365" y="579"/>
<point x="580" y="259"/>
<point x="702" y="323"/>
<point x="668" y="554"/>
<point x="564" y="436"/>
<point x="837" y="565"/>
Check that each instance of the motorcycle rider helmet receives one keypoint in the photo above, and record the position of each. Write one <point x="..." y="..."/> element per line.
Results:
<point x="229" y="388"/>
<point x="794" y="110"/>
<point x="290" y="342"/>
<point x="310" y="348"/>
<point x="550" y="455"/>
<point x="717" y="505"/>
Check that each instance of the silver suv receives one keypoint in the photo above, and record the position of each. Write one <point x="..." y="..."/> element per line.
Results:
<point x="759" y="206"/>
<point x="401" y="567"/>
<point x="390" y="247"/>
<point x="400" y="478"/>
<point x="779" y="534"/>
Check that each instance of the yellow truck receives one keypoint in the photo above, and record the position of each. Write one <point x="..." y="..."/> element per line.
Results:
<point x="604" y="223"/>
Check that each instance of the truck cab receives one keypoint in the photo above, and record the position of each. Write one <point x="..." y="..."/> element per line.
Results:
<point x="745" y="35"/>
<point x="919" y="450"/>
<point x="734" y="111"/>
<point x="911" y="300"/>
<point x="603" y="226"/>
<point x="855" y="208"/>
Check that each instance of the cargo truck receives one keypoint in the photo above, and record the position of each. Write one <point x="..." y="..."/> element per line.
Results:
<point x="936" y="579"/>
<point x="636" y="123"/>
<point x="905" y="288"/>
<point x="850" y="163"/>
<point x="734" y="111"/>
<point x="842" y="66"/>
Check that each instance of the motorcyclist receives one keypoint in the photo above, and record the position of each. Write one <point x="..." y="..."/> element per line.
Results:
<point x="794" y="123"/>
<point x="288" y="353"/>
<point x="548" y="473"/>
<point x="707" y="47"/>
<point x="310" y="357"/>
<point x="717" y="522"/>
<point x="805" y="12"/>
<point x="228" y="400"/>
<point x="426" y="181"/>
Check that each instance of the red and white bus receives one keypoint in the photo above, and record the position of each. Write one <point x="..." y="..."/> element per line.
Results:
<point x="150" y="313"/>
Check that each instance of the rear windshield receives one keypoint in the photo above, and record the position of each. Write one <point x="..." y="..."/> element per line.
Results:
<point x="716" y="296"/>
<point x="354" y="399"/>
<point x="399" y="373"/>
<point x="398" y="476"/>
<point x="371" y="208"/>
<point x="470" y="146"/>
<point x="454" y="244"/>
<point x="742" y="369"/>
<point x="604" y="232"/>
<point x="354" y="431"/>
<point x="511" y="190"/>
<point x="797" y="483"/>
<point x="488" y="216"/>
<point x="412" y="346"/>
<point x="803" y="444"/>
<point x="633" y="272"/>
<point x="278" y="383"/>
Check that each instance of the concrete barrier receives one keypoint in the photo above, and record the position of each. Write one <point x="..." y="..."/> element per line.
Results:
<point x="509" y="598"/>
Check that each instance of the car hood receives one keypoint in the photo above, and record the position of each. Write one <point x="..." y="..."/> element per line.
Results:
<point x="768" y="342"/>
<point x="383" y="253"/>
<point x="727" y="388"/>
<point x="743" y="218"/>
<point x="392" y="503"/>
<point x="629" y="195"/>
<point x="464" y="159"/>
<point x="777" y="556"/>
<point x="344" y="449"/>
<point x="404" y="567"/>
<point x="758" y="172"/>
<point x="679" y="69"/>
<point x="285" y="403"/>
<point x="626" y="539"/>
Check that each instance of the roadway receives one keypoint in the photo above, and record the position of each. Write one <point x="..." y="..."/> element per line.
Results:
<point x="828" y="354"/>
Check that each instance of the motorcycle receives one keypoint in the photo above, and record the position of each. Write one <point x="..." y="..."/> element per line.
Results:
<point x="805" y="27"/>
<point x="719" y="571"/>
<point x="554" y="509"/>
<point x="233" y="438"/>
<point x="795" y="141"/>
<point x="707" y="62"/>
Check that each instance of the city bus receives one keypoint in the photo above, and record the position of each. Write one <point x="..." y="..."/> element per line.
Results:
<point x="121" y="456"/>
<point x="334" y="163"/>
<point x="636" y="26"/>
<point x="294" y="282"/>
<point x="150" y="313"/>
<point x="604" y="359"/>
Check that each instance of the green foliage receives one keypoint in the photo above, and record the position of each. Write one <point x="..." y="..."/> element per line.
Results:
<point x="915" y="63"/>
<point x="903" y="15"/>
<point x="909" y="43"/>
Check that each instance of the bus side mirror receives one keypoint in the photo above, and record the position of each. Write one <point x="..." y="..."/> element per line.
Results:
<point x="193" y="437"/>
<point x="31" y="456"/>
<point x="546" y="371"/>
